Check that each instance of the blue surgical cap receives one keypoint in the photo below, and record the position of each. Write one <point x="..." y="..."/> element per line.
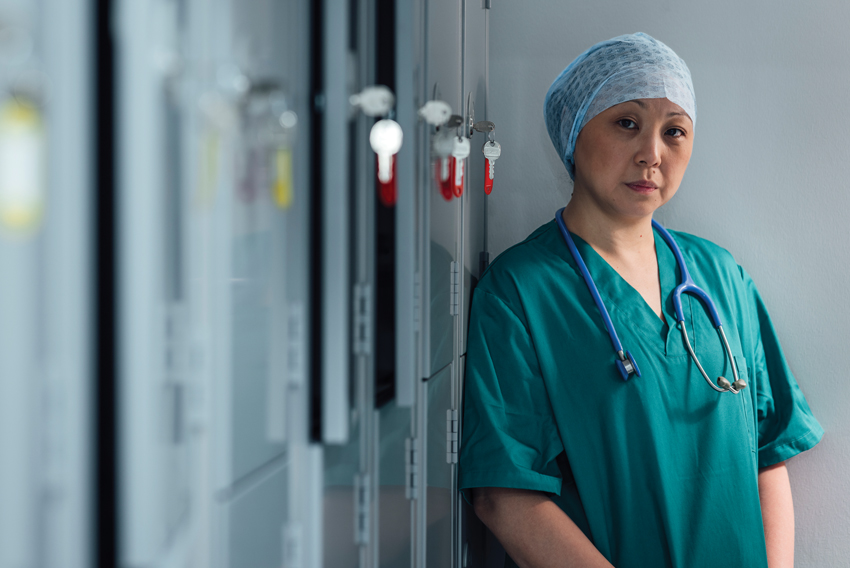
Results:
<point x="621" y="69"/>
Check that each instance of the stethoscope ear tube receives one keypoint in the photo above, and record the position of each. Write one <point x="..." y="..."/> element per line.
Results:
<point x="723" y="384"/>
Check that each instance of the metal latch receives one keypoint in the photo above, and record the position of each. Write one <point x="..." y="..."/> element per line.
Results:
<point x="295" y="346"/>
<point x="362" y="319"/>
<point x="417" y="302"/>
<point x="292" y="545"/>
<point x="451" y="436"/>
<point x="361" y="509"/>
<point x="454" y="289"/>
<point x="411" y="469"/>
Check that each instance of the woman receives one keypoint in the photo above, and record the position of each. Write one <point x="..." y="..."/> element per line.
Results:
<point x="568" y="463"/>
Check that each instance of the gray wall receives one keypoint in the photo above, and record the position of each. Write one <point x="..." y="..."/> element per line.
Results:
<point x="767" y="180"/>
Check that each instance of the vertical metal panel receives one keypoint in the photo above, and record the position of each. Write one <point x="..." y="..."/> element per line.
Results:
<point x="46" y="280"/>
<point x="336" y="271"/>
<point x="439" y="475"/>
<point x="68" y="521"/>
<point x="474" y="196"/>
<point x="140" y="296"/>
<point x="395" y="534"/>
<point x="444" y="82"/>
<point x="256" y="519"/>
<point x="19" y="390"/>
<point x="406" y="226"/>
<point x="303" y="547"/>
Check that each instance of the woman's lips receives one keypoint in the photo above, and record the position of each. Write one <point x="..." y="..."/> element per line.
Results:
<point x="642" y="187"/>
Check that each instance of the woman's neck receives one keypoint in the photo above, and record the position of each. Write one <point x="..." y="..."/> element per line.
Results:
<point x="610" y="237"/>
<point x="628" y="246"/>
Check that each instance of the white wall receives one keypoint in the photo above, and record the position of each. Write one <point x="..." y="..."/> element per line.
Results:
<point x="768" y="180"/>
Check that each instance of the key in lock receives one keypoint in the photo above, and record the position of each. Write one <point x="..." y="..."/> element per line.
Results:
<point x="492" y="150"/>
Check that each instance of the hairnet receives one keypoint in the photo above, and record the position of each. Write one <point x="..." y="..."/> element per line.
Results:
<point x="621" y="69"/>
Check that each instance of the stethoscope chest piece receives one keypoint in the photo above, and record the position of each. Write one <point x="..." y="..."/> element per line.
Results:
<point x="627" y="365"/>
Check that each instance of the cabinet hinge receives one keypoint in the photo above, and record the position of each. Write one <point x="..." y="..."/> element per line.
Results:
<point x="451" y="436"/>
<point x="417" y="303"/>
<point x="362" y="319"/>
<point x="295" y="345"/>
<point x="454" y="289"/>
<point x="411" y="469"/>
<point x="361" y="509"/>
<point x="176" y="367"/>
<point x="292" y="545"/>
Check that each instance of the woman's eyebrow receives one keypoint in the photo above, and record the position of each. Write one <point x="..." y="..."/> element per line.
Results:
<point x="642" y="105"/>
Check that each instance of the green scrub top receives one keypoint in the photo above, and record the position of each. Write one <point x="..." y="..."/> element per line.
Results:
<point x="659" y="470"/>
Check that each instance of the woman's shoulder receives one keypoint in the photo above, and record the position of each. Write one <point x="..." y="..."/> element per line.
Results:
<point x="521" y="264"/>
<point x="705" y="252"/>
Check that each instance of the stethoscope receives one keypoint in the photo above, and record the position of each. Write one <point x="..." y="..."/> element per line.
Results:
<point x="626" y="364"/>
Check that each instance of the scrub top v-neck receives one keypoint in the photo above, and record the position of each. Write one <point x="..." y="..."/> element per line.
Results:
<point x="657" y="470"/>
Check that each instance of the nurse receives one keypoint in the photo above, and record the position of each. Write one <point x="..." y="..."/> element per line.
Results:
<point x="567" y="463"/>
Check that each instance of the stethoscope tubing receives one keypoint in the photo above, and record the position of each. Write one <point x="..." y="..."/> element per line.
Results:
<point x="687" y="286"/>
<point x="591" y="285"/>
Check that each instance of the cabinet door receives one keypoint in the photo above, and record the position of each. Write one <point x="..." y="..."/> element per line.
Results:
<point x="256" y="521"/>
<point x="442" y="219"/>
<point x="475" y="100"/>
<point x="394" y="505"/>
<point x="154" y="446"/>
<point x="439" y="473"/>
<point x="47" y="283"/>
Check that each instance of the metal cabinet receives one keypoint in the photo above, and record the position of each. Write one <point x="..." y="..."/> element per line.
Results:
<point x="47" y="323"/>
<point x="214" y="194"/>
<point x="439" y="475"/>
<point x="254" y="517"/>
<point x="442" y="219"/>
<point x="291" y="344"/>
<point x="155" y="451"/>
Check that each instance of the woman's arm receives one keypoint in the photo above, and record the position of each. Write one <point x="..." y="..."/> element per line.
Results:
<point x="777" y="513"/>
<point x="535" y="532"/>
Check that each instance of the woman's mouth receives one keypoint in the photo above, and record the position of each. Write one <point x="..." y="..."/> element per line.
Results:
<point x="642" y="186"/>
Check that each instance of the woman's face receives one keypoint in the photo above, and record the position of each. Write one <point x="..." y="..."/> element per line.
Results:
<point x="630" y="158"/>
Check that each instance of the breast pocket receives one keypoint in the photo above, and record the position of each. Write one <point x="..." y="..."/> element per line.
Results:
<point x="710" y="350"/>
<point x="746" y="402"/>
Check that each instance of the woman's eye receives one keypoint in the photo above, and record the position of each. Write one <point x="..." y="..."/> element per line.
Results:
<point x="627" y="123"/>
<point x="676" y="132"/>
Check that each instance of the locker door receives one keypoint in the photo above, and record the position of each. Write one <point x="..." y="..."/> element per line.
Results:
<point x="302" y="536"/>
<point x="255" y="253"/>
<point x="343" y="365"/>
<point x="439" y="474"/>
<point x="252" y="516"/>
<point x="475" y="100"/>
<point x="442" y="217"/>
<point x="155" y="449"/>
<point x="47" y="326"/>
<point x="252" y="155"/>
<point x="474" y="212"/>
<point x="395" y="466"/>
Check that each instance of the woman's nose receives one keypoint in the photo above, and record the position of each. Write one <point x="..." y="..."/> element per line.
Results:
<point x="649" y="150"/>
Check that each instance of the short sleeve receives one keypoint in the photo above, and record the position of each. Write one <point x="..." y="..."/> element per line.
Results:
<point x="509" y="434"/>
<point x="786" y="425"/>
